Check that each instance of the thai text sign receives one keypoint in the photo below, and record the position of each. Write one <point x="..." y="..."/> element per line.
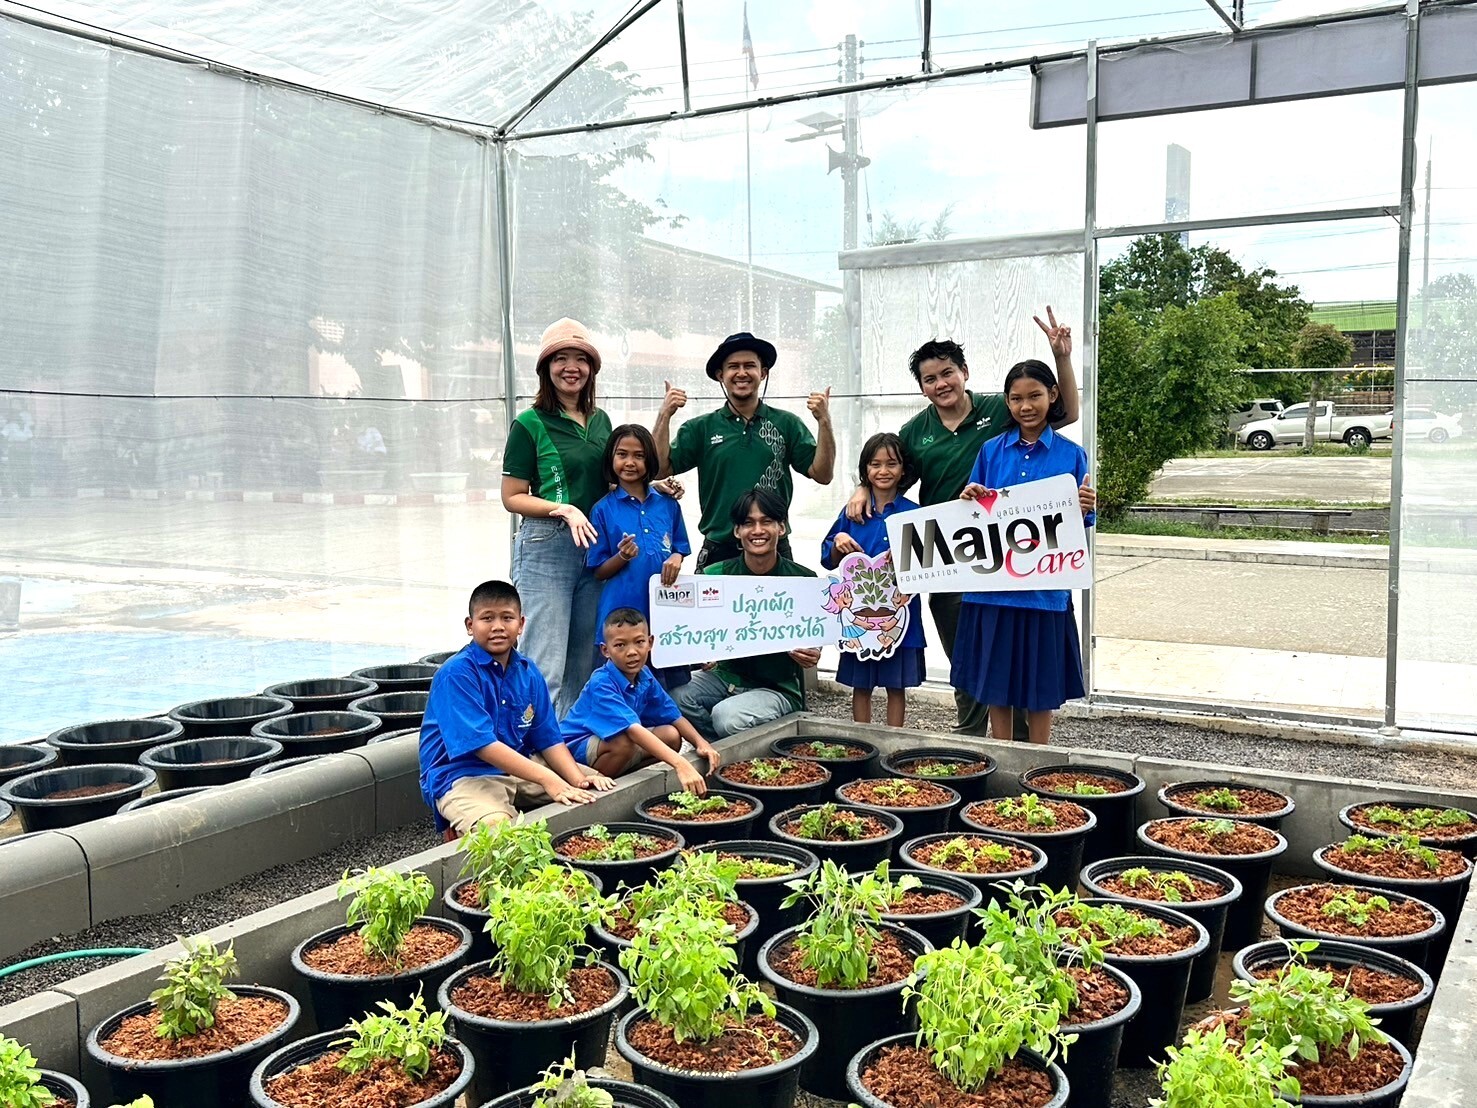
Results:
<point x="710" y="619"/>
<point x="1028" y="536"/>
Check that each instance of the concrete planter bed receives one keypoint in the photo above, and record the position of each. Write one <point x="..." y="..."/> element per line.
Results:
<point x="62" y="881"/>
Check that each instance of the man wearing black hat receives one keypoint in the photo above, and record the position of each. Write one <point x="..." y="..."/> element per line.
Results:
<point x="745" y="444"/>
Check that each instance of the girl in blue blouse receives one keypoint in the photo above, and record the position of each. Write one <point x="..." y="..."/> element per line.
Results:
<point x="887" y="472"/>
<point x="1021" y="649"/>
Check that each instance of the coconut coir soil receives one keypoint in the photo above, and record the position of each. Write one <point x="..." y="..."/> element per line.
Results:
<point x="904" y="1076"/>
<point x="1204" y="890"/>
<point x="987" y="812"/>
<point x="1396" y="863"/>
<point x="1246" y="838"/>
<point x="1254" y="802"/>
<point x="237" y="1022"/>
<point x="891" y="962"/>
<point x="737" y="915"/>
<point x="586" y="849"/>
<point x="790" y="775"/>
<point x="470" y="896"/>
<point x="1066" y="782"/>
<point x="321" y="1084"/>
<point x="1304" y="906"/>
<point x="488" y="997"/>
<point x="808" y="750"/>
<point x="896" y="792"/>
<point x="917" y="902"/>
<point x="1019" y="859"/>
<point x="1358" y="817"/>
<point x="735" y="809"/>
<point x="1369" y="985"/>
<point x="1335" y="1073"/>
<point x="1098" y="996"/>
<point x="956" y="769"/>
<point x="86" y="790"/>
<point x="1171" y="939"/>
<point x="746" y="1046"/>
<point x="345" y="955"/>
<point x="871" y="829"/>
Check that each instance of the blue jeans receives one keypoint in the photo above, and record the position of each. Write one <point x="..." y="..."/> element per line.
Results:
<point x="561" y="600"/>
<point x="718" y="711"/>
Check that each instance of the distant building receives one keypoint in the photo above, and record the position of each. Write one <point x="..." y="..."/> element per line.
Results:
<point x="1370" y="325"/>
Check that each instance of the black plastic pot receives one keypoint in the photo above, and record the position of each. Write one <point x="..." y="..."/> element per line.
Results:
<point x="1445" y="894"/>
<point x="985" y="882"/>
<point x="701" y="832"/>
<point x="1415" y="948"/>
<point x="859" y="856"/>
<point x="229" y="715"/>
<point x="216" y="1079"/>
<point x="1396" y="1020"/>
<point x="972" y="788"/>
<point x="941" y="928"/>
<point x="322" y="694"/>
<point x="191" y="762"/>
<point x="635" y="872"/>
<point x="1210" y="914"/>
<point x="508" y="1054"/>
<point x="846" y="1019"/>
<point x="1272" y="820"/>
<point x="69" y="1088"/>
<point x="1062" y="846"/>
<point x="475" y="919"/>
<point x="386" y="736"/>
<point x="764" y="894"/>
<point x="1254" y="871"/>
<point x="612" y="944"/>
<point x="440" y="658"/>
<point x="1113" y="834"/>
<point x="112" y="741"/>
<point x="319" y="732"/>
<point x="863" y="1058"/>
<point x="284" y="763"/>
<point x="915" y="821"/>
<point x="162" y="798"/>
<point x="19" y="759"/>
<point x="306" y="1050"/>
<point x="31" y="795"/>
<point x="339" y="998"/>
<point x="843" y="770"/>
<point x="776" y="797"/>
<point x="626" y="1094"/>
<point x="399" y="711"/>
<point x="403" y="677"/>
<point x="1092" y="1060"/>
<point x="771" y="1086"/>
<point x="1467" y="844"/>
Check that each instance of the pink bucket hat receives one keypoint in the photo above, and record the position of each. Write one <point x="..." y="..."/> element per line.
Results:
<point x="567" y="334"/>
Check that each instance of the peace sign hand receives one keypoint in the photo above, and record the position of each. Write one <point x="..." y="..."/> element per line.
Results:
<point x="1059" y="336"/>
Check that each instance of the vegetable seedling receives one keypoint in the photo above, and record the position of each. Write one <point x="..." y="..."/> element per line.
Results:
<point x="406" y="1037"/>
<point x="194" y="985"/>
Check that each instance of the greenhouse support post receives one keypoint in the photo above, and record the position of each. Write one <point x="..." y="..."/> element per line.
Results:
<point x="1089" y="336"/>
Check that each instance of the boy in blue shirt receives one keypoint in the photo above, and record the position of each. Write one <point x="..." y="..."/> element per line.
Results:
<point x="624" y="717"/>
<point x="489" y="737"/>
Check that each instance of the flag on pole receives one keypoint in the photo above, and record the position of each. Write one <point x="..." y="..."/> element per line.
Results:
<point x="749" y="51"/>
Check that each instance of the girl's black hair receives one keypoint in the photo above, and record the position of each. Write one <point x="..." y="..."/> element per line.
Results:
<point x="1036" y="370"/>
<point x="627" y="431"/>
<point x="886" y="440"/>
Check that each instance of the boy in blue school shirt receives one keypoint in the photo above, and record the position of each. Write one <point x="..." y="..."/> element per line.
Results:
<point x="624" y="717"/>
<point x="489" y="737"/>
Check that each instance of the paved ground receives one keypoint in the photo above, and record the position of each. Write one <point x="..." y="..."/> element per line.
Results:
<point x="1275" y="476"/>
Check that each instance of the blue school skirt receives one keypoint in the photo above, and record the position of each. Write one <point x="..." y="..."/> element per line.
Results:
<point x="1017" y="657"/>
<point x="904" y="670"/>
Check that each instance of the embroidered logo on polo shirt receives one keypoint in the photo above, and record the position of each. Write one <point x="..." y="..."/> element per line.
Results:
<point x="984" y="422"/>
<point x="715" y="440"/>
<point x="926" y="440"/>
<point x="527" y="720"/>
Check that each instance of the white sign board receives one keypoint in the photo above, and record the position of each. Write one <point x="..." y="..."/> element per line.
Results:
<point x="1028" y="536"/>
<point x="713" y="618"/>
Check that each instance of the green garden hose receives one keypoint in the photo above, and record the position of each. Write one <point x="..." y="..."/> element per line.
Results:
<point x="101" y="952"/>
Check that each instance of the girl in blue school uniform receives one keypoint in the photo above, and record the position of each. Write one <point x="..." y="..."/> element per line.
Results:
<point x="887" y="471"/>
<point x="1021" y="649"/>
<point x="639" y="533"/>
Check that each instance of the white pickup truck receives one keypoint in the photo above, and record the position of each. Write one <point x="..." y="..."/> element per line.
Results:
<point x="1329" y="425"/>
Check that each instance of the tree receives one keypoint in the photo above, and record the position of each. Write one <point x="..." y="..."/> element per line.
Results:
<point x="1443" y="341"/>
<point x="1319" y="346"/>
<point x="892" y="231"/>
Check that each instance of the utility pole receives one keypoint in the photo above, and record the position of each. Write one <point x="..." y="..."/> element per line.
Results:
<point x="1426" y="248"/>
<point x="850" y="162"/>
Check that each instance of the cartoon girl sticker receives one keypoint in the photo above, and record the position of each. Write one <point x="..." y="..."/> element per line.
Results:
<point x="874" y="613"/>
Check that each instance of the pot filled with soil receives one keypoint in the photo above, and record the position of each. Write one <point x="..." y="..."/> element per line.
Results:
<point x="195" y="762"/>
<point x="322" y="694"/>
<point x="227" y="715"/>
<point x="161" y="798"/>
<point x="848" y="759"/>
<point x="285" y="763"/>
<point x="778" y="782"/>
<point x="440" y="658"/>
<point x="967" y="772"/>
<point x="1448" y="828"/>
<point x="320" y="732"/>
<point x="402" y="677"/>
<point x="1394" y="988"/>
<point x="1227" y="800"/>
<point x="1107" y="1001"/>
<point x="1246" y="851"/>
<point x="616" y="934"/>
<point x="703" y="819"/>
<point x="1109" y="794"/>
<point x="1059" y="827"/>
<point x="978" y="858"/>
<point x="620" y="853"/>
<point x="1398" y="925"/>
<point x="397" y="711"/>
<point x="19" y="759"/>
<point x="857" y="838"/>
<point x="467" y="904"/>
<point x="1155" y="946"/>
<point x="387" y="950"/>
<point x="67" y="1090"/>
<point x="195" y="1040"/>
<point x="623" y="1094"/>
<point x="897" y="1073"/>
<point x="114" y="741"/>
<point x="939" y="908"/>
<point x="65" y="797"/>
<point x="922" y="806"/>
<point x="1202" y="892"/>
<point x="766" y="869"/>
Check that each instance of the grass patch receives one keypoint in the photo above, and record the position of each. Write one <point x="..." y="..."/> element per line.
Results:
<point x="1379" y="449"/>
<point x="1137" y="525"/>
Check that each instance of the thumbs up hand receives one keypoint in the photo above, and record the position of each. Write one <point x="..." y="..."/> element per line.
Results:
<point x="1087" y="495"/>
<point x="820" y="406"/>
<point x="674" y="399"/>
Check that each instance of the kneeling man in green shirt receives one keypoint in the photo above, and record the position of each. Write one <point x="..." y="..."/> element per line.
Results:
<point x="725" y="698"/>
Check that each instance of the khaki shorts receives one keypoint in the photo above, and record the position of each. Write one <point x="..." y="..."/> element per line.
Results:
<point x="489" y="799"/>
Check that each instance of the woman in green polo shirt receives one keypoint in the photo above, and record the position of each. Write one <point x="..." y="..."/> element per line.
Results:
<point x="552" y="478"/>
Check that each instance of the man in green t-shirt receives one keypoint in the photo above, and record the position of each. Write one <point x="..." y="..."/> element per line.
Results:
<point x="725" y="698"/>
<point x="744" y="445"/>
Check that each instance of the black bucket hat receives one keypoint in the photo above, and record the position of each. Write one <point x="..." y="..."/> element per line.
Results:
<point x="741" y="341"/>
